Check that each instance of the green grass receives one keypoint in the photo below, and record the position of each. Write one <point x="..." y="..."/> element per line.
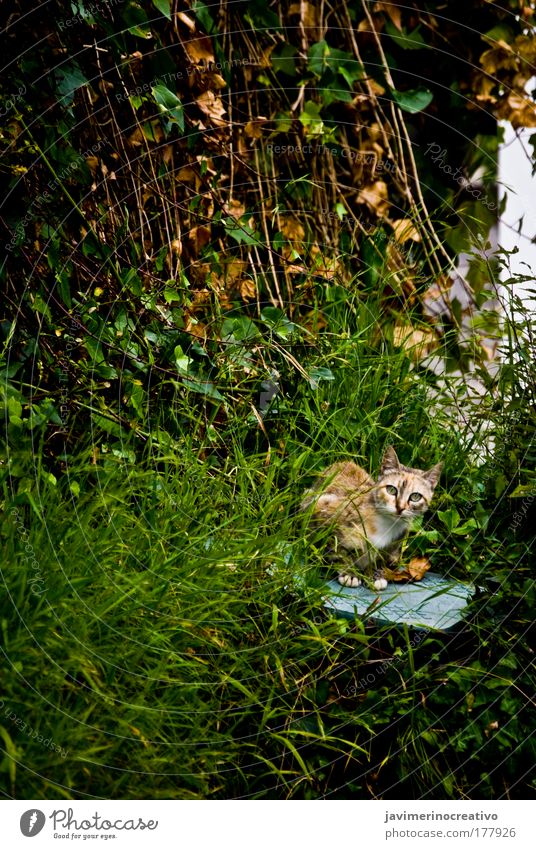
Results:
<point x="171" y="653"/>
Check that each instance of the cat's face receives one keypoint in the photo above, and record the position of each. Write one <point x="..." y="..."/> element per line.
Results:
<point x="404" y="492"/>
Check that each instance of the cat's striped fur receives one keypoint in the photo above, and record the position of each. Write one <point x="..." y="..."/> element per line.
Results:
<point x="370" y="518"/>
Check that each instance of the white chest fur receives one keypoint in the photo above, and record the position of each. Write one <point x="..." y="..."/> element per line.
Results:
<point x="388" y="530"/>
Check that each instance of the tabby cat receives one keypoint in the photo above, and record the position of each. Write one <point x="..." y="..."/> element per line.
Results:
<point x="370" y="518"/>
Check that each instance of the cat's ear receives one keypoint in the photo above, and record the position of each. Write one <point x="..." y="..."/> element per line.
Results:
<point x="432" y="475"/>
<point x="390" y="462"/>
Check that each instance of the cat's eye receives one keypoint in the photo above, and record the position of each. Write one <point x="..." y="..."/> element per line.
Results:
<point x="415" y="496"/>
<point x="392" y="490"/>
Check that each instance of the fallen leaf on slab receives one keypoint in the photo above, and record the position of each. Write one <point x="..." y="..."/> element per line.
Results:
<point x="417" y="568"/>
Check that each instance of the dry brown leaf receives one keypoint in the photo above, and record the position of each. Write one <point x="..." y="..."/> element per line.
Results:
<point x="186" y="174"/>
<point x="199" y="237"/>
<point x="519" y="110"/>
<point x="235" y="208"/>
<point x="418" y="567"/>
<point x="199" y="50"/>
<point x="396" y="575"/>
<point x="498" y="58"/>
<point x="484" y="88"/>
<point x="378" y="23"/>
<point x="196" y="328"/>
<point x="392" y="11"/>
<point x="253" y="129"/>
<point x="436" y="299"/>
<point x="292" y="229"/>
<point x="417" y="343"/>
<point x="375" y="197"/>
<point x="152" y="131"/>
<point x="308" y="14"/>
<point x="404" y="229"/>
<point x="92" y="163"/>
<point x="247" y="288"/>
<point x="212" y="107"/>
<point x="376" y="88"/>
<point x="525" y="46"/>
<point x="186" y="20"/>
<point x="234" y="270"/>
<point x="215" y="80"/>
<point x="264" y="59"/>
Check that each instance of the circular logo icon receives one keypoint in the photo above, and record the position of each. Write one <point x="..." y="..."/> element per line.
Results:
<point x="31" y="822"/>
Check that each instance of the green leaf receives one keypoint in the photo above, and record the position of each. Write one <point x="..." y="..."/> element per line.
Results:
<point x="14" y="407"/>
<point x="414" y="100"/>
<point x="316" y="58"/>
<point x="70" y="79"/>
<point x="322" y="57"/>
<point x="524" y="490"/>
<point x="310" y="118"/>
<point x="276" y="319"/>
<point x="203" y="15"/>
<point x="405" y="40"/>
<point x="317" y="374"/>
<point x="240" y="329"/>
<point x="466" y="527"/>
<point x="163" y="6"/>
<point x="284" y="61"/>
<point x="169" y="104"/>
<point x="260" y="16"/>
<point x="240" y="232"/>
<point x="182" y="361"/>
<point x="450" y="518"/>
<point x="171" y="295"/>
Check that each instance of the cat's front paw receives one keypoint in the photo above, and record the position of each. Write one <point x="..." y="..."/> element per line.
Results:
<point x="348" y="580"/>
<point x="380" y="584"/>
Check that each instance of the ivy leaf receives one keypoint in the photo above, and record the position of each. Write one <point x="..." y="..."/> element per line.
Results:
<point x="240" y="231"/>
<point x="317" y="56"/>
<point x="450" y="518"/>
<point x="285" y="60"/>
<point x="241" y="329"/>
<point x="69" y="80"/>
<point x="414" y="100"/>
<point x="311" y="120"/>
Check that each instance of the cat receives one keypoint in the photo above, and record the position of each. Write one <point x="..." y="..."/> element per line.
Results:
<point x="370" y="518"/>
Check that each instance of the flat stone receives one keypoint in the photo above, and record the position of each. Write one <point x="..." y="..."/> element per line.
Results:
<point x="434" y="603"/>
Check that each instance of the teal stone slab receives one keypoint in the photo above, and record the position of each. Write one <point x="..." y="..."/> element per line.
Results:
<point x="435" y="602"/>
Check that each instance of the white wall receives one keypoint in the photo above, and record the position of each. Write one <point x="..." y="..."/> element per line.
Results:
<point x="515" y="176"/>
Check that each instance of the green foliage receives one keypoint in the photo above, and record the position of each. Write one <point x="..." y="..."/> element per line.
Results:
<point x="190" y="335"/>
<point x="181" y="612"/>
